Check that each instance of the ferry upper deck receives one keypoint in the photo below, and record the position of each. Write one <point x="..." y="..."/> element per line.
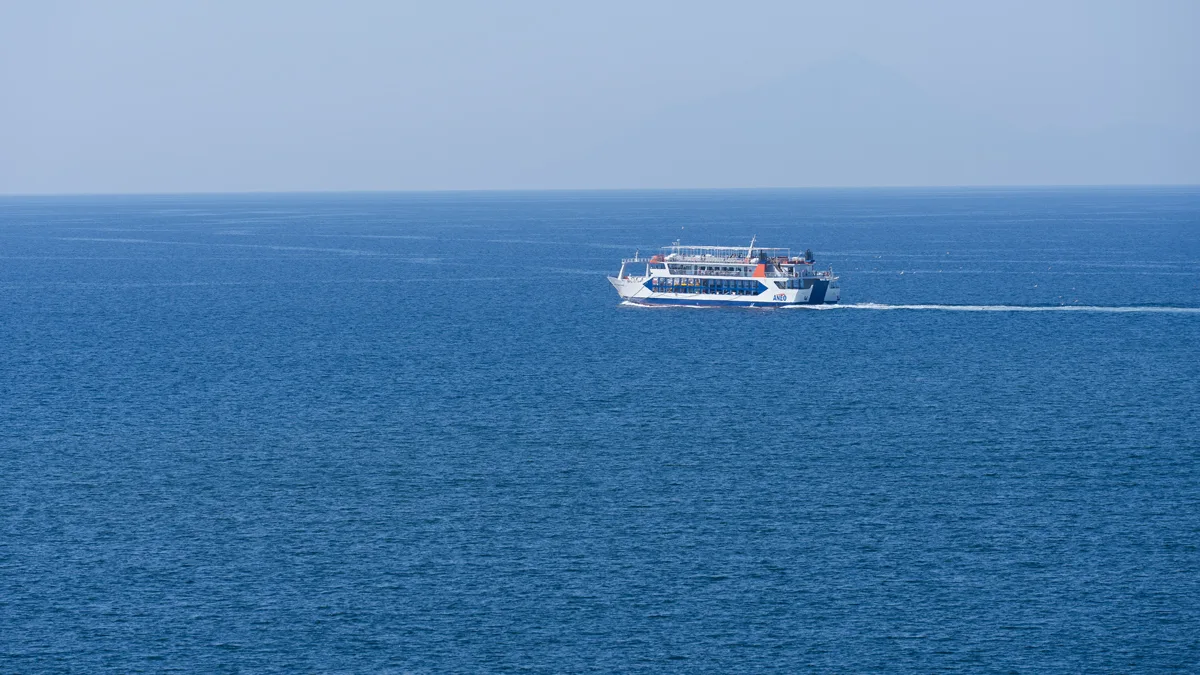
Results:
<point x="730" y="254"/>
<point x="726" y="261"/>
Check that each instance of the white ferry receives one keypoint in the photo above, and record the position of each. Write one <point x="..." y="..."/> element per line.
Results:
<point x="726" y="275"/>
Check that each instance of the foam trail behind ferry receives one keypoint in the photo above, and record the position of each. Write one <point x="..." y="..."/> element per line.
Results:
<point x="1011" y="308"/>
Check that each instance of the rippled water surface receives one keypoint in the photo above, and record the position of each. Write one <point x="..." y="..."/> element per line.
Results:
<point x="420" y="433"/>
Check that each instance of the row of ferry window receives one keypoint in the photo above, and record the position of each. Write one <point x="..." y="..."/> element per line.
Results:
<point x="717" y="286"/>
<point x="710" y="270"/>
<point x="713" y="270"/>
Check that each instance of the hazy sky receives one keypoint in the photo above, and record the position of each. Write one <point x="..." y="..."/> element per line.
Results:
<point x="217" y="96"/>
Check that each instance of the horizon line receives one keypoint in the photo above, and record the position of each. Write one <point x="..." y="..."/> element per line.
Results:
<point x="382" y="191"/>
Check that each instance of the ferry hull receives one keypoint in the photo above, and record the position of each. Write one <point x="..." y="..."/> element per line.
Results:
<point x="633" y="289"/>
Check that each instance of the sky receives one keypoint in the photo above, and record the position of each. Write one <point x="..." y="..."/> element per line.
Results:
<point x="153" y="97"/>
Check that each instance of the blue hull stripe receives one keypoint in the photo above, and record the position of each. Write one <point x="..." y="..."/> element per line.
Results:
<point x="719" y="303"/>
<point x="817" y="296"/>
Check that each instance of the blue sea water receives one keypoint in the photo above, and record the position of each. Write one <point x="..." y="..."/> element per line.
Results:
<point x="419" y="433"/>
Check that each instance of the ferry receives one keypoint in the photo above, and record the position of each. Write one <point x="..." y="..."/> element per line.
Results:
<point x="732" y="276"/>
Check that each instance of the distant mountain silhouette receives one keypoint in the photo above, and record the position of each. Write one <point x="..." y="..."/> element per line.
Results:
<point x="851" y="122"/>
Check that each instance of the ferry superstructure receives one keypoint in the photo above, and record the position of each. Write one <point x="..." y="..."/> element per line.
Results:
<point x="725" y="275"/>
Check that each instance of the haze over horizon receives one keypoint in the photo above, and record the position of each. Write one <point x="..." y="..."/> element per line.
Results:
<point x="139" y="97"/>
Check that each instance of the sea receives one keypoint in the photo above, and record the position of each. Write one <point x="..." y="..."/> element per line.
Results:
<point x="420" y="433"/>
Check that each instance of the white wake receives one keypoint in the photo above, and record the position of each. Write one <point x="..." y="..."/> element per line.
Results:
<point x="1012" y="308"/>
